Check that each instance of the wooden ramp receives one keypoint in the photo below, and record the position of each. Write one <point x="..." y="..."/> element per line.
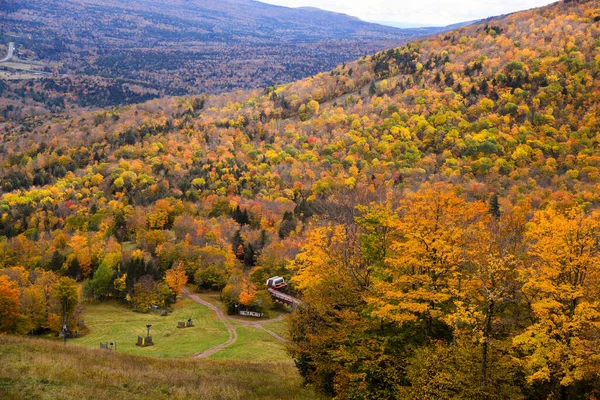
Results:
<point x="284" y="298"/>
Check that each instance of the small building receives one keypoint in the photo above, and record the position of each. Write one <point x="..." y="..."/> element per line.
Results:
<point x="276" y="282"/>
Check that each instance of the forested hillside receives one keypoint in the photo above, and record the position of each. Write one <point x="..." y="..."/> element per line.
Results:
<point x="106" y="53"/>
<point x="436" y="205"/>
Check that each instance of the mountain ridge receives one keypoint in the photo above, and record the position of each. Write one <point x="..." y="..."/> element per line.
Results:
<point x="86" y="53"/>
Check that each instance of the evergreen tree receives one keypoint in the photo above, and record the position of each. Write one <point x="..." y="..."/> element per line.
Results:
<point x="495" y="206"/>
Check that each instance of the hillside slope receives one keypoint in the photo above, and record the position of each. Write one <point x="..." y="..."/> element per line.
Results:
<point x="103" y="53"/>
<point x="44" y="370"/>
<point x="502" y="104"/>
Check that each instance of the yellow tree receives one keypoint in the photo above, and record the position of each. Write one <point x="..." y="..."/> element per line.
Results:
<point x="331" y="257"/>
<point x="145" y="294"/>
<point x="562" y="284"/>
<point x="33" y="310"/>
<point x="437" y="230"/>
<point x="120" y="283"/>
<point x="45" y="282"/>
<point x="337" y="345"/>
<point x="176" y="278"/>
<point x="489" y="280"/>
<point x="248" y="292"/>
<point x="321" y="332"/>
<point x="9" y="304"/>
<point x="82" y="252"/>
<point x="66" y="295"/>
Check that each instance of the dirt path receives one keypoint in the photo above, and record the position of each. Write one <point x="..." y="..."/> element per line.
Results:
<point x="230" y="328"/>
<point x="259" y="325"/>
<point x="9" y="53"/>
<point x="233" y="336"/>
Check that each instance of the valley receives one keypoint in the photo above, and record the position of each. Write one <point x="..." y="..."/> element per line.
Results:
<point x="144" y="50"/>
<point x="14" y="69"/>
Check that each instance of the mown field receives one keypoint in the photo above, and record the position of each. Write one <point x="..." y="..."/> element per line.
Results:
<point x="112" y="322"/>
<point x="253" y="344"/>
<point x="41" y="369"/>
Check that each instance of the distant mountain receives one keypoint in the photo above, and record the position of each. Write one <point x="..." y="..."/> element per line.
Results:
<point x="412" y="25"/>
<point x="431" y="30"/>
<point x="115" y="52"/>
<point x="400" y="24"/>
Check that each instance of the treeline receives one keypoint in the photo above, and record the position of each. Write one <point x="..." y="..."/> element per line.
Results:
<point x="51" y="94"/>
<point x="37" y="301"/>
<point x="143" y="256"/>
<point x="439" y="296"/>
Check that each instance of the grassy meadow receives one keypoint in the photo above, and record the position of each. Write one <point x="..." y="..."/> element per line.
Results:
<point x="42" y="369"/>
<point x="279" y="327"/>
<point x="256" y="366"/>
<point x="112" y="322"/>
<point x="253" y="344"/>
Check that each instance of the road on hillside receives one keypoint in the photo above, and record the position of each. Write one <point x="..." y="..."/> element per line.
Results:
<point x="233" y="336"/>
<point x="11" y="52"/>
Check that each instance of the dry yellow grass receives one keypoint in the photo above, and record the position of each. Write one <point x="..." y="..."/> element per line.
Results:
<point x="40" y="369"/>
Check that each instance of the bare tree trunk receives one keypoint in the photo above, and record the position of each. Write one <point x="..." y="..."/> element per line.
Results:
<point x="486" y="341"/>
<point x="564" y="392"/>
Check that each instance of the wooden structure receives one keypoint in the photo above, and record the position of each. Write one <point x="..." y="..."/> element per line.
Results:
<point x="109" y="346"/>
<point x="283" y="298"/>
<point x="276" y="282"/>
<point x="248" y="313"/>
<point x="186" y="324"/>
<point x="145" y="341"/>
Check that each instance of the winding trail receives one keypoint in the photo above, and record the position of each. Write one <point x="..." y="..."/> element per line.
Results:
<point x="9" y="53"/>
<point x="232" y="330"/>
<point x="221" y="316"/>
<point x="259" y="325"/>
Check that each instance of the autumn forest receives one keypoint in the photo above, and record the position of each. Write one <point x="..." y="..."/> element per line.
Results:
<point x="436" y="206"/>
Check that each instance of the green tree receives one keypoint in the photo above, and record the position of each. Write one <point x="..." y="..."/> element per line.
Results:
<point x="66" y="296"/>
<point x="100" y="285"/>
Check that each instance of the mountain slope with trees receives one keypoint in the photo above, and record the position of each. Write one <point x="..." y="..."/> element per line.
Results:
<point x="436" y="205"/>
<point x="108" y="53"/>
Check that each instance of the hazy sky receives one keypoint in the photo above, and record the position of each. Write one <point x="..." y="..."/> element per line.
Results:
<point x="427" y="12"/>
